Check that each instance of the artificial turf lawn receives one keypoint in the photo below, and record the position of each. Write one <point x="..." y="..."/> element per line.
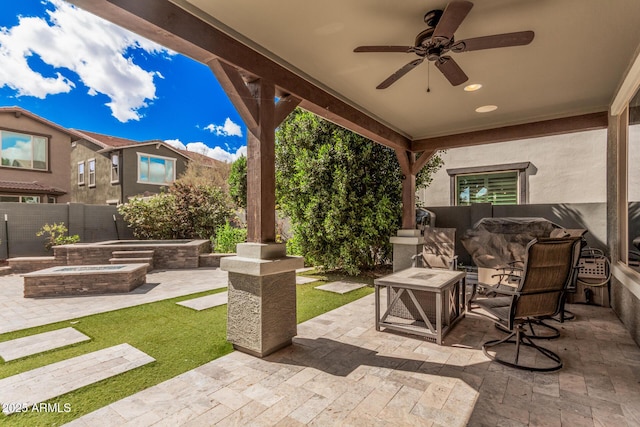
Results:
<point x="179" y="338"/>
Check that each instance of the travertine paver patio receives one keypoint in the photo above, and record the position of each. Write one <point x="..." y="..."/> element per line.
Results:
<point x="38" y="385"/>
<point x="18" y="313"/>
<point x="205" y="302"/>
<point x="340" y="371"/>
<point x="341" y="287"/>
<point x="303" y="280"/>
<point x="33" y="344"/>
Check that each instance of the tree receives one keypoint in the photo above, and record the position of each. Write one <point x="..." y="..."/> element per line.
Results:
<point x="238" y="182"/>
<point x="204" y="170"/>
<point x="342" y="192"/>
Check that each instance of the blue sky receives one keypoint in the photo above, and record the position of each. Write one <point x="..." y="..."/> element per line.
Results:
<point x="76" y="70"/>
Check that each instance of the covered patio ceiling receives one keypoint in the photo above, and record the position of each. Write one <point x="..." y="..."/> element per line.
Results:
<point x="303" y="53"/>
<point x="572" y="67"/>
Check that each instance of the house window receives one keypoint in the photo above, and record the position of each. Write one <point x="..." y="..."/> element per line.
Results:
<point x="20" y="199"/>
<point x="19" y="150"/>
<point x="115" y="168"/>
<point x="495" y="188"/>
<point x="80" y="173"/>
<point x="497" y="184"/>
<point x="156" y="170"/>
<point x="92" y="172"/>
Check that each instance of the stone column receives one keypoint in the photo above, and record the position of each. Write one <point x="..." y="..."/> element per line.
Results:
<point x="406" y="244"/>
<point x="261" y="312"/>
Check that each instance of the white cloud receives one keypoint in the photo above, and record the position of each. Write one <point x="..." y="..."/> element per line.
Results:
<point x="74" y="40"/>
<point x="176" y="143"/>
<point x="217" y="153"/>
<point x="229" y="128"/>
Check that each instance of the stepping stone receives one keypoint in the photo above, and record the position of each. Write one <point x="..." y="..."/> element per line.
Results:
<point x="341" y="287"/>
<point x="305" y="269"/>
<point x="36" y="386"/>
<point x="301" y="280"/>
<point x="207" y="301"/>
<point x="26" y="346"/>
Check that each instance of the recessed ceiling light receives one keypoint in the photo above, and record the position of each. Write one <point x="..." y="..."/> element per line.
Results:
<point x="486" y="108"/>
<point x="472" y="87"/>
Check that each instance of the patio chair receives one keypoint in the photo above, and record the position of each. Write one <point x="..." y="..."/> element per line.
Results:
<point x="438" y="250"/>
<point x="549" y="268"/>
<point x="510" y="275"/>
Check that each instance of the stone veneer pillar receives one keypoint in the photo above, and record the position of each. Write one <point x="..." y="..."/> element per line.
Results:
<point x="405" y="245"/>
<point x="261" y="311"/>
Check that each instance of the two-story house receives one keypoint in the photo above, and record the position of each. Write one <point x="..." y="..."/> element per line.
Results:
<point x="34" y="158"/>
<point x="110" y="170"/>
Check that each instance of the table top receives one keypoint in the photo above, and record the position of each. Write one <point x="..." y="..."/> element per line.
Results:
<point x="421" y="278"/>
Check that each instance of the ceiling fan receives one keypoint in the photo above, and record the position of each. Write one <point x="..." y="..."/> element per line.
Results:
<point x="437" y="40"/>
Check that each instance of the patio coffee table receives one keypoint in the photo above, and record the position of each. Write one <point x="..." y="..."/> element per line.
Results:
<point x="422" y="301"/>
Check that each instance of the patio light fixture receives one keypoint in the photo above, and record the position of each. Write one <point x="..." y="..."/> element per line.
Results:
<point x="472" y="87"/>
<point x="486" y="108"/>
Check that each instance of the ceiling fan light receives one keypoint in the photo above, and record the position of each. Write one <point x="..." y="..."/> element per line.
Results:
<point x="486" y="108"/>
<point x="472" y="87"/>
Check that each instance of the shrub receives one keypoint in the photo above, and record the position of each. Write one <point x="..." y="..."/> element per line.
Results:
<point x="56" y="235"/>
<point x="190" y="210"/>
<point x="150" y="218"/>
<point x="227" y="237"/>
<point x="199" y="209"/>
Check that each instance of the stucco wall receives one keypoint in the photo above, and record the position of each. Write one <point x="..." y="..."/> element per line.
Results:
<point x="131" y="186"/>
<point x="58" y="154"/>
<point x="104" y="190"/>
<point x="567" y="168"/>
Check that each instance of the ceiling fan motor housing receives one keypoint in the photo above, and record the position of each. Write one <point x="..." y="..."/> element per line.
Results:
<point x="432" y="17"/>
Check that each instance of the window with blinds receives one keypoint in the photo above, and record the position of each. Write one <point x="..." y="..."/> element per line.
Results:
<point x="499" y="188"/>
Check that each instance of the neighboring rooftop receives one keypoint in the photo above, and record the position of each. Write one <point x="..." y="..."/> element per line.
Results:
<point x="34" y="187"/>
<point x="108" y="142"/>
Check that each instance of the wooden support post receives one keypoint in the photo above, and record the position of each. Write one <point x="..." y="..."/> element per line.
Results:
<point x="255" y="102"/>
<point x="406" y="160"/>
<point x="261" y="169"/>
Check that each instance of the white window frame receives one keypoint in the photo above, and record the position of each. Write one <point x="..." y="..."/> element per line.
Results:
<point x="32" y="136"/>
<point x="81" y="175"/>
<point x="619" y="132"/>
<point x="115" y="168"/>
<point x="152" y="156"/>
<point x="92" y="173"/>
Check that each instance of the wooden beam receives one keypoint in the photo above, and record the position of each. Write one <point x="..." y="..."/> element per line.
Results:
<point x="261" y="170"/>
<point x="170" y="25"/>
<point x="284" y="107"/>
<point x="404" y="160"/>
<point x="422" y="161"/>
<point x="238" y="92"/>
<point x="511" y="133"/>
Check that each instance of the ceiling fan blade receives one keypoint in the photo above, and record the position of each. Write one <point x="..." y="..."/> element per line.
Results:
<point x="451" y="70"/>
<point x="451" y="18"/>
<point x="401" y="72"/>
<point x="402" y="49"/>
<point x="520" y="38"/>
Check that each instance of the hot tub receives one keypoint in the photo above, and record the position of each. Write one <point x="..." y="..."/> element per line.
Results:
<point x="167" y="254"/>
<point x="84" y="280"/>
